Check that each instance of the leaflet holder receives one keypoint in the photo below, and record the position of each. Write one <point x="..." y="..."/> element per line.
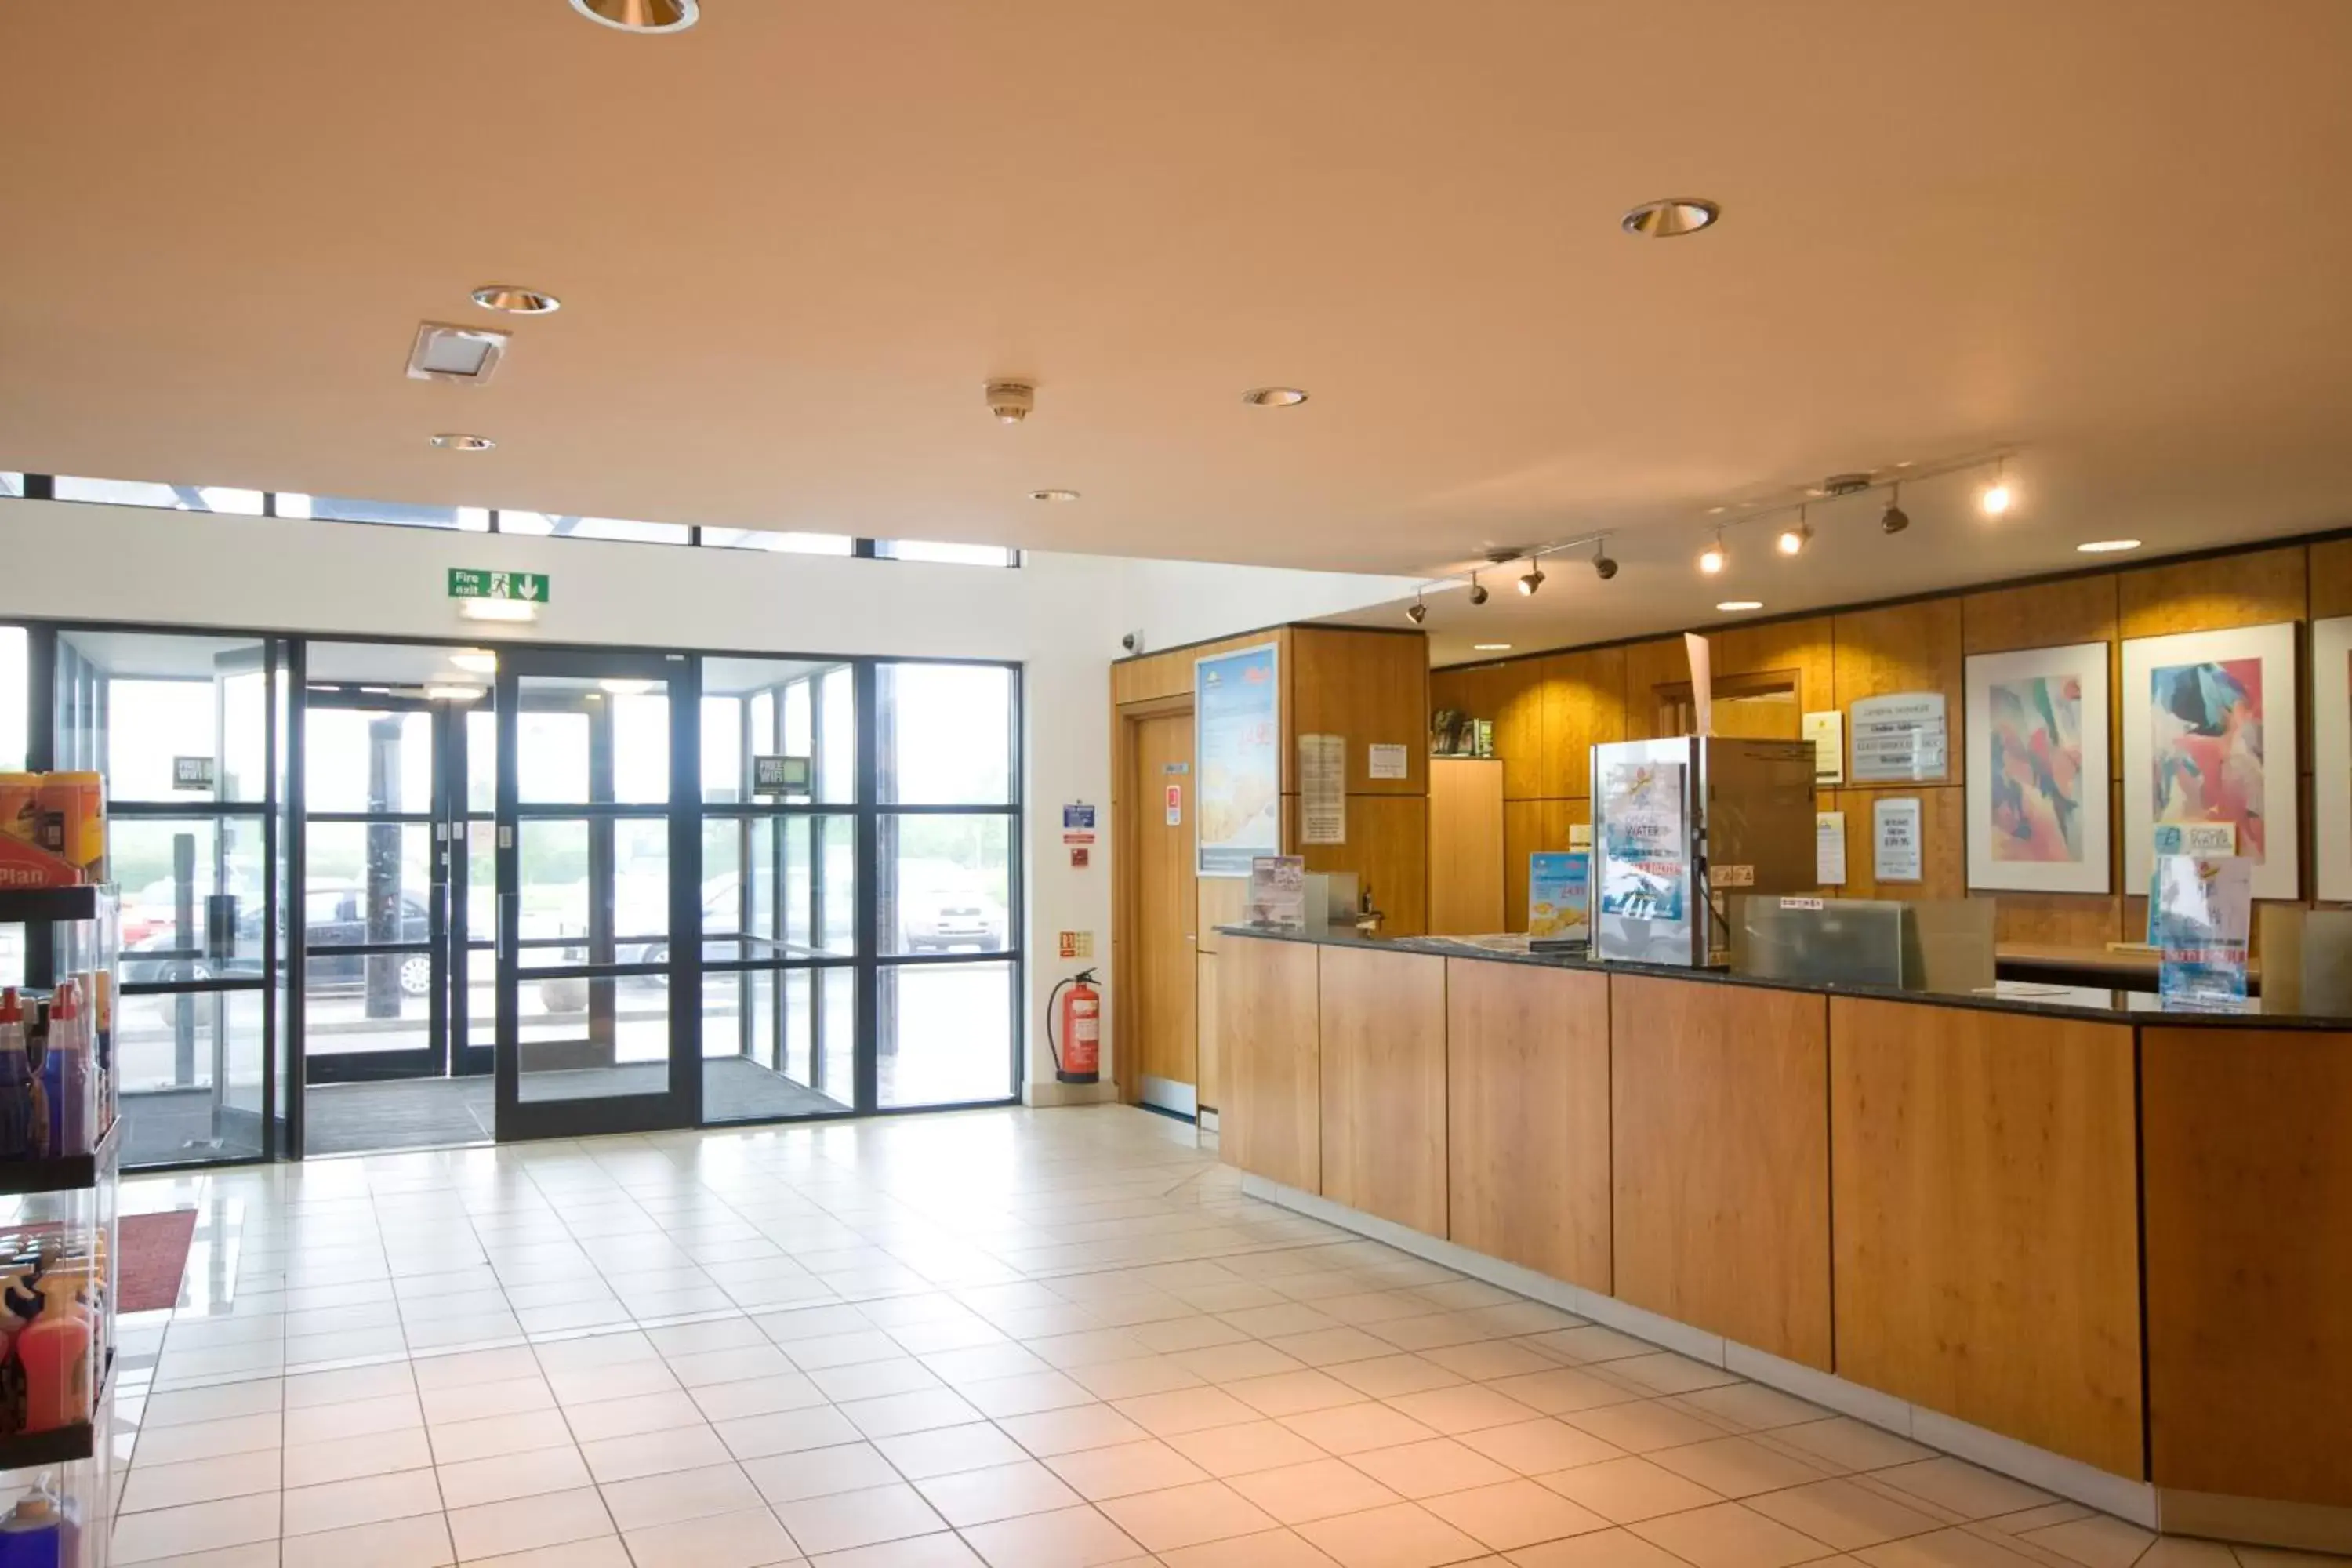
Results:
<point x="1680" y="824"/>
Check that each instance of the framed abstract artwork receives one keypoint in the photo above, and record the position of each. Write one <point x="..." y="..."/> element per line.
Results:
<point x="2331" y="759"/>
<point x="2038" y="770"/>
<point x="2208" y="722"/>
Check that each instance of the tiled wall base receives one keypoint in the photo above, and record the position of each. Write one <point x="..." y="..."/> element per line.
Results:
<point x="2134" y="1501"/>
<point x="2309" y="1526"/>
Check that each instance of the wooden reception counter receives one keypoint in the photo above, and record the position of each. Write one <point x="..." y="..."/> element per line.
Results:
<point x="2101" y="1248"/>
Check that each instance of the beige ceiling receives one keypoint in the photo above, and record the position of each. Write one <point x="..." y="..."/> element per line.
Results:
<point x="2110" y="235"/>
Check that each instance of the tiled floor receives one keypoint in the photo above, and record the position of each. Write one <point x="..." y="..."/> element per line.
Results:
<point x="1024" y="1339"/>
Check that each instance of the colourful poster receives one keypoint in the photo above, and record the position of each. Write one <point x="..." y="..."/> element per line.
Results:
<point x="2203" y="917"/>
<point x="2206" y="746"/>
<point x="2037" y="770"/>
<point x="1643" y="862"/>
<point x="1237" y="760"/>
<point x="1559" y="894"/>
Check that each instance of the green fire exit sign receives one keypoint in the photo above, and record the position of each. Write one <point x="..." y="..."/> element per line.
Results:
<point x="465" y="582"/>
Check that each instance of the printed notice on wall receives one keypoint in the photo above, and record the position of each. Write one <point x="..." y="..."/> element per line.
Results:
<point x="1899" y="739"/>
<point x="1894" y="839"/>
<point x="1388" y="762"/>
<point x="1323" y="789"/>
<point x="1826" y="731"/>
<point x="1829" y="848"/>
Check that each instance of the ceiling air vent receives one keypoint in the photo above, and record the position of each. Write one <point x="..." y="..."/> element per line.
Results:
<point x="443" y="353"/>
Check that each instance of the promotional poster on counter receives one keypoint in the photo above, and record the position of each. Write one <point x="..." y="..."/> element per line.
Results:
<point x="1559" y="894"/>
<point x="1237" y="760"/>
<point x="1277" y="892"/>
<point x="2204" y="916"/>
<point x="1644" y="867"/>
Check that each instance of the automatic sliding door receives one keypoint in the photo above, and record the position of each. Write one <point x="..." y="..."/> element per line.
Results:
<point x="598" y="860"/>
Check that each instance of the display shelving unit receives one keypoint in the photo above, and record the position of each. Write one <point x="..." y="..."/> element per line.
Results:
<point x="75" y="1195"/>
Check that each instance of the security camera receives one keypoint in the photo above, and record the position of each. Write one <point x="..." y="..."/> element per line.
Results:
<point x="1010" y="401"/>
<point x="1132" y="642"/>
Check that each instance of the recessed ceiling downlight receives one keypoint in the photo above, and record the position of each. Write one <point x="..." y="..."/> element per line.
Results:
<point x="1052" y="495"/>
<point x="1274" y="397"/>
<point x="516" y="300"/>
<point x="641" y="16"/>
<point x="459" y="441"/>
<point x="1667" y="219"/>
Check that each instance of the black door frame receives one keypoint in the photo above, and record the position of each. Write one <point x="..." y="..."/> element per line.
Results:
<point x="679" y="1104"/>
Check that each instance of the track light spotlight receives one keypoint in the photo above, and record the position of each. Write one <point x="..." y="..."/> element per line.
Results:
<point x="1711" y="560"/>
<point x="1793" y="540"/>
<point x="1894" y="519"/>
<point x="1997" y="497"/>
<point x="1532" y="581"/>
<point x="1416" y="612"/>
<point x="1479" y="595"/>
<point x="1603" y="567"/>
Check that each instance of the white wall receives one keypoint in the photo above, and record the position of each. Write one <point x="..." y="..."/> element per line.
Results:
<point x="1059" y="615"/>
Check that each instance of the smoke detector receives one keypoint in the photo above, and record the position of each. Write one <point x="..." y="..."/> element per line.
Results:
<point x="1844" y="484"/>
<point x="1500" y="554"/>
<point x="444" y="352"/>
<point x="1010" y="401"/>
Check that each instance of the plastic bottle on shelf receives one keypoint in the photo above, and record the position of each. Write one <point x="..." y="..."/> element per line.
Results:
<point x="37" y="1532"/>
<point x="66" y="1074"/>
<point x="55" y="1350"/>
<point x="16" y="1141"/>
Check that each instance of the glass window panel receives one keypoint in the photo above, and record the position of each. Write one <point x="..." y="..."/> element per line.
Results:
<point x="553" y="905"/>
<point x="946" y="1033"/>
<point x="16" y="676"/>
<point x="835" y="1003"/>
<point x="723" y="768"/>
<point x="947" y="883"/>
<point x="368" y="882"/>
<point x="947" y="733"/>
<point x="789" y="543"/>
<point x="952" y="554"/>
<point x="800" y="708"/>
<point x="551" y="758"/>
<point x="12" y="484"/>
<point x="172" y="1051"/>
<point x="376" y="1001"/>
<point x="176" y="498"/>
<point x="593" y="1039"/>
<point x="357" y="760"/>
<point x="739" y="1016"/>
<point x="763" y="724"/>
<point x="837" y="743"/>
<point x="819" y="914"/>
<point x="482" y="759"/>
<point x="158" y="862"/>
<point x="640" y="748"/>
<point x="724" y="842"/>
<point x="350" y="509"/>
<point x="562" y="525"/>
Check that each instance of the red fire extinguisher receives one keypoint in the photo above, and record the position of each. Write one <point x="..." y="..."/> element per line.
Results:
<point x="1077" y="1044"/>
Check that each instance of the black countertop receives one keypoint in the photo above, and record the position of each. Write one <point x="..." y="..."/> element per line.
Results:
<point x="2027" y="997"/>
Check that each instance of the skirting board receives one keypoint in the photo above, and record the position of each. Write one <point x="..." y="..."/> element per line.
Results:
<point x="2134" y="1501"/>
<point x="1054" y="1092"/>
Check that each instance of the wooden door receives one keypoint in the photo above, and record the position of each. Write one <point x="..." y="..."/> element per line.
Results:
<point x="1167" y="906"/>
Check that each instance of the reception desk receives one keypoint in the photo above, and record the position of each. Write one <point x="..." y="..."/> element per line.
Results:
<point x="2103" y="1248"/>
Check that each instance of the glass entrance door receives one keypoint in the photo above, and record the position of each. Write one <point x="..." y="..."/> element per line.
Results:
<point x="599" y="907"/>
<point x="387" y="890"/>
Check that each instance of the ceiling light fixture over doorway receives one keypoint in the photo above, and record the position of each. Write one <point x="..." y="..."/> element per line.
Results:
<point x="641" y="16"/>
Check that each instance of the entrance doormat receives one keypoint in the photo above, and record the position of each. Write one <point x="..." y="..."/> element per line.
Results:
<point x="154" y="1256"/>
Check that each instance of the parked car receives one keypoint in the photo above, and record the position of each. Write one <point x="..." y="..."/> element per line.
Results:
<point x="951" y="912"/>
<point x="335" y="920"/>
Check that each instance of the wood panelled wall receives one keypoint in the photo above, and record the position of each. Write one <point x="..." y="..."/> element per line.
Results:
<point x="1550" y="710"/>
<point x="1370" y="686"/>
